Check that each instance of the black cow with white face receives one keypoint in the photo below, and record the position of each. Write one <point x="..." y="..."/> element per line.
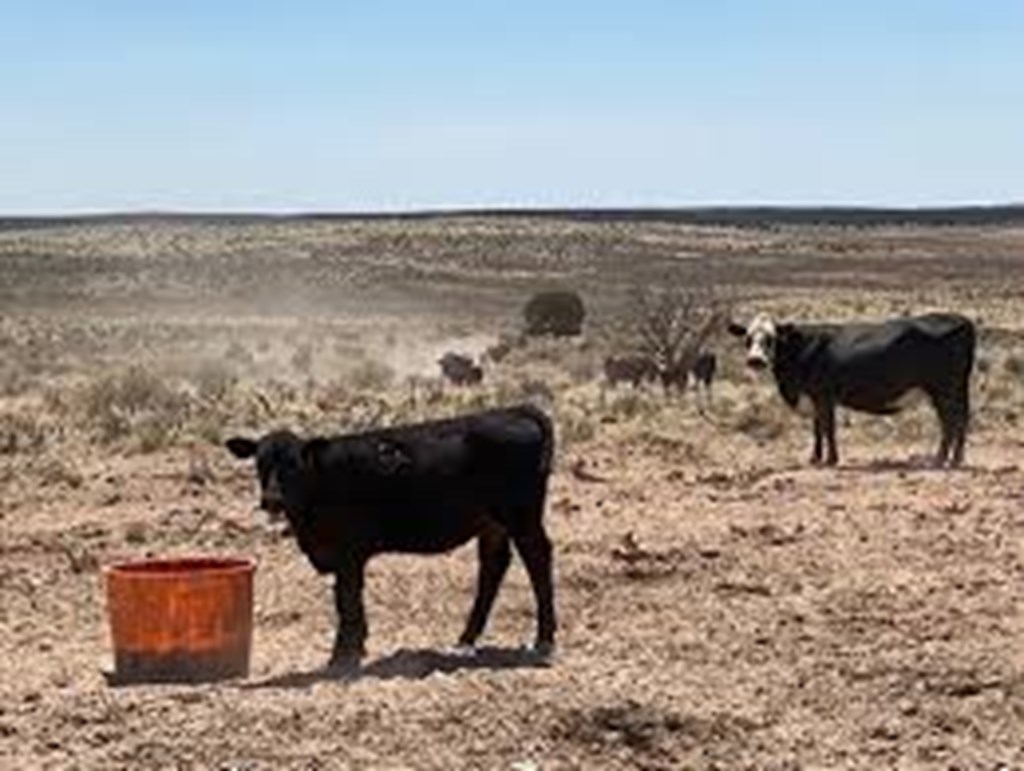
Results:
<point x="870" y="368"/>
<point x="423" y="488"/>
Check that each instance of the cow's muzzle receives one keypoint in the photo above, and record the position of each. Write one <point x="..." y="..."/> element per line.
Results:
<point x="756" y="362"/>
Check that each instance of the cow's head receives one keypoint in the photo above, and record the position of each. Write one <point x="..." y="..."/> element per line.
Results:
<point x="283" y="464"/>
<point x="761" y="338"/>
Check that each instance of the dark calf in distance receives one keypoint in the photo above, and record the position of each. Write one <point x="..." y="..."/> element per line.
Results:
<point x="633" y="368"/>
<point x="704" y="368"/>
<point x="637" y="368"/>
<point x="423" y="488"/>
<point x="870" y="368"/>
<point x="701" y="368"/>
<point x="460" y="370"/>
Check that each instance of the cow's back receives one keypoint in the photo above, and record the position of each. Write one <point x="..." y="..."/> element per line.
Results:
<point x="871" y="367"/>
<point x="425" y="487"/>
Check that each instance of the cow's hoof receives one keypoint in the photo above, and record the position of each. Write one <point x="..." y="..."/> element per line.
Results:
<point x="344" y="665"/>
<point x="543" y="652"/>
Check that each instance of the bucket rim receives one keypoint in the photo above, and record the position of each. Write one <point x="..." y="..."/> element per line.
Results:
<point x="178" y="566"/>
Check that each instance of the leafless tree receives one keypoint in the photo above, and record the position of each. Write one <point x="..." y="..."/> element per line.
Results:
<point x="670" y="324"/>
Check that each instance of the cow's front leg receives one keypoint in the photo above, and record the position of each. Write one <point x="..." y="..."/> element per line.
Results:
<point x="816" y="453"/>
<point x="824" y="433"/>
<point x="828" y="428"/>
<point x="350" y="639"/>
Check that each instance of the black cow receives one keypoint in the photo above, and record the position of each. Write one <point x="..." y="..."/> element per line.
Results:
<point x="701" y="368"/>
<point x="870" y="367"/>
<point x="704" y="368"/>
<point x="425" y="489"/>
<point x="634" y="368"/>
<point x="460" y="370"/>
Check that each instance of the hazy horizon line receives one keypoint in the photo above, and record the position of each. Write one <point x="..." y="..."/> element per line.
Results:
<point x="510" y="209"/>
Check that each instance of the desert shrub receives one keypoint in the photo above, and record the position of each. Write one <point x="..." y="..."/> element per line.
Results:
<point x="574" y="425"/>
<point x="209" y="429"/>
<point x="155" y="431"/>
<point x="237" y="353"/>
<point x="57" y="470"/>
<point x="363" y="413"/>
<point x="626" y="405"/>
<point x="117" y="405"/>
<point x="15" y="381"/>
<point x="302" y="358"/>
<point x="21" y="432"/>
<point x="1014" y="365"/>
<point x="558" y="312"/>
<point x="425" y="390"/>
<point x="536" y="391"/>
<point x="761" y="420"/>
<point x="213" y="381"/>
<point x="371" y="375"/>
<point x="581" y="365"/>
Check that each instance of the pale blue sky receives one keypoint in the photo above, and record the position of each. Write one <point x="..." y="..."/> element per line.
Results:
<point x="231" y="105"/>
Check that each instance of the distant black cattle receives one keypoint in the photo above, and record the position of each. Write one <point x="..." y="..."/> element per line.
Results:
<point x="499" y="350"/>
<point x="423" y="488"/>
<point x="701" y="369"/>
<point x="559" y="313"/>
<point x="704" y="368"/>
<point x="870" y="367"/>
<point x="460" y="370"/>
<point x="635" y="368"/>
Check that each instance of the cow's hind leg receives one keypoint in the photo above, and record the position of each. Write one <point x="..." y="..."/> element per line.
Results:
<point x="962" y="418"/>
<point x="495" y="553"/>
<point x="534" y="547"/>
<point x="946" y="412"/>
<point x="350" y="639"/>
<point x="816" y="453"/>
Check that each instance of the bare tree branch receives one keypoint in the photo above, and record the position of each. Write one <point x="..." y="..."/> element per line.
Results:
<point x="670" y="324"/>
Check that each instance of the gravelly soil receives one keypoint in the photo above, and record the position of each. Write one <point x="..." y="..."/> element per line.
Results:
<point x="722" y="604"/>
<point x="737" y="610"/>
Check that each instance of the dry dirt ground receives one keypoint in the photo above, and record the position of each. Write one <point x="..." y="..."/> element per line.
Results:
<point x="722" y="604"/>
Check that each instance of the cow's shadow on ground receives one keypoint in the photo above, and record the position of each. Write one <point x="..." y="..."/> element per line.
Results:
<point x="913" y="463"/>
<point x="412" y="664"/>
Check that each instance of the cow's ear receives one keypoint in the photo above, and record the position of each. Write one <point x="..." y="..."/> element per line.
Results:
<point x="312" y="452"/>
<point x="737" y="330"/>
<point x="241" y="447"/>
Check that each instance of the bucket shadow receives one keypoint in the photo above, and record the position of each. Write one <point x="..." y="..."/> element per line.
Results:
<point x="411" y="664"/>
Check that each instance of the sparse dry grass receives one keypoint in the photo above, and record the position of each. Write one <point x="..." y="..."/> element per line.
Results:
<point x="722" y="604"/>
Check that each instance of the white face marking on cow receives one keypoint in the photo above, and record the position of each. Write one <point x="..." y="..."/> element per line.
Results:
<point x="761" y="336"/>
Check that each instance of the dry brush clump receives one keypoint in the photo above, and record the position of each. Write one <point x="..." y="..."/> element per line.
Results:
<point x="133" y="404"/>
<point x="668" y="324"/>
<point x="23" y="432"/>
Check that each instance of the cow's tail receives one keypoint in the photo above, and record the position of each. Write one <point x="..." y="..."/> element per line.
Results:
<point x="967" y="334"/>
<point x="547" y="433"/>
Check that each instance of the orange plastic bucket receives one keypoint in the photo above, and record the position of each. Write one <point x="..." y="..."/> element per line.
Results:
<point x="180" y="620"/>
